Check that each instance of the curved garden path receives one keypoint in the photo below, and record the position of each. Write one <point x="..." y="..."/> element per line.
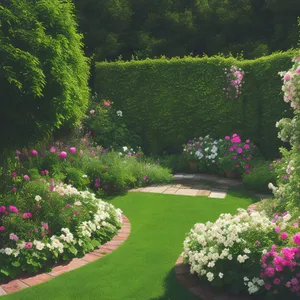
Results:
<point x="142" y="268"/>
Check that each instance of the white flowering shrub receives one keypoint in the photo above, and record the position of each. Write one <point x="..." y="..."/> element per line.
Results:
<point x="46" y="223"/>
<point x="227" y="252"/>
<point x="287" y="192"/>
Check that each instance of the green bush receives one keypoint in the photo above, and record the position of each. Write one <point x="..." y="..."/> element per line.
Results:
<point x="171" y="101"/>
<point x="259" y="177"/>
<point x="43" y="71"/>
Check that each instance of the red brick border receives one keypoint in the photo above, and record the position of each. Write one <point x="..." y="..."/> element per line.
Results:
<point x="21" y="283"/>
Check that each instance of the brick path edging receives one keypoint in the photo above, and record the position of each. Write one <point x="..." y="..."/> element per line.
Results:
<point x="21" y="283"/>
<point x="192" y="284"/>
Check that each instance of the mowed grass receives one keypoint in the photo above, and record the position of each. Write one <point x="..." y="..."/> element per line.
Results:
<point x="143" y="267"/>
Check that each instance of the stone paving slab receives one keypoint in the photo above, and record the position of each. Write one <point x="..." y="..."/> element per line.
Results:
<point x="158" y="190"/>
<point x="2" y="292"/>
<point x="170" y="191"/>
<point x="203" y="193"/>
<point x="187" y="192"/>
<point x="217" y="194"/>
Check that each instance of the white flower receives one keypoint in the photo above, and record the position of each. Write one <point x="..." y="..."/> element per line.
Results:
<point x="210" y="276"/>
<point x="221" y="275"/>
<point x="247" y="251"/>
<point x="246" y="279"/>
<point x="125" y="148"/>
<point x="38" y="198"/>
<point x="119" y="113"/>
<point x="8" y="251"/>
<point x="77" y="203"/>
<point x="84" y="176"/>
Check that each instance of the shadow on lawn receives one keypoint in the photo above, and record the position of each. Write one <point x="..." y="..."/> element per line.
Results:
<point x="173" y="290"/>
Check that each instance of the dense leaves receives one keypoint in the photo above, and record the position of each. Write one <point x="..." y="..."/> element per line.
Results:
<point x="43" y="71"/>
<point x="171" y="101"/>
<point x="178" y="28"/>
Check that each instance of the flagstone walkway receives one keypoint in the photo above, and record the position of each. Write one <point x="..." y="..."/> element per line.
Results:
<point x="196" y="185"/>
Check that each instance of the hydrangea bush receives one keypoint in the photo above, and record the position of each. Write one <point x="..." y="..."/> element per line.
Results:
<point x="47" y="222"/>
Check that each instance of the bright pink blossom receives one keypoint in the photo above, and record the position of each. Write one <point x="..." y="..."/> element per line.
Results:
<point x="284" y="236"/>
<point x="13" y="209"/>
<point x="28" y="245"/>
<point x="13" y="237"/>
<point x="34" y="152"/>
<point x="63" y="154"/>
<point x="239" y="150"/>
<point x="53" y="149"/>
<point x="26" y="177"/>
<point x="73" y="150"/>
<point x="2" y="228"/>
<point x="296" y="238"/>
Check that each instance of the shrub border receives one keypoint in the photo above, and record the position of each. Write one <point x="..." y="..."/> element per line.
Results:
<point x="192" y="284"/>
<point x="25" y="282"/>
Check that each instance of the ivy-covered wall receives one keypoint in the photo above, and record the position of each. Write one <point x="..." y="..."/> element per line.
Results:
<point x="168" y="101"/>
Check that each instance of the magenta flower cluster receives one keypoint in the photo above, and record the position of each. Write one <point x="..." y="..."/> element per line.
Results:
<point x="280" y="269"/>
<point x="234" y="77"/>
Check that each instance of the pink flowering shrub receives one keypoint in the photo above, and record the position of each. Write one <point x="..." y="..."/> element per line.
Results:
<point x="281" y="263"/>
<point x="237" y="155"/>
<point x="39" y="226"/>
<point x="234" y="77"/>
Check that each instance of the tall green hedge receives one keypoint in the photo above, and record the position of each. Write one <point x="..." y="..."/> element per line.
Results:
<point x="169" y="101"/>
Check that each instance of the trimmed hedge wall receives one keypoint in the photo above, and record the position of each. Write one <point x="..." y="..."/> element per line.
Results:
<point x="168" y="101"/>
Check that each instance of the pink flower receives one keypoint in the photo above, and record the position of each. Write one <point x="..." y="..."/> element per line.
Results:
<point x="239" y="150"/>
<point x="107" y="103"/>
<point x="276" y="281"/>
<point x="75" y="212"/>
<point x="34" y="152"/>
<point x="284" y="236"/>
<point x="268" y="286"/>
<point x="257" y="243"/>
<point x="233" y="157"/>
<point x="92" y="111"/>
<point x="26" y="177"/>
<point x="45" y="226"/>
<point x="18" y="152"/>
<point x="42" y="173"/>
<point x="2" y="228"/>
<point x="294" y="281"/>
<point x="14" y="174"/>
<point x="231" y="149"/>
<point x="246" y="146"/>
<point x="247" y="141"/>
<point x="2" y="209"/>
<point x="13" y="209"/>
<point x="14" y="189"/>
<point x="73" y="150"/>
<point x="28" y="245"/>
<point x="247" y="166"/>
<point x="27" y="215"/>
<point x="287" y="76"/>
<point x="53" y="149"/>
<point x="271" y="166"/>
<point x="236" y="139"/>
<point x="227" y="138"/>
<point x="269" y="272"/>
<point x="63" y="154"/>
<point x="277" y="229"/>
<point x="296" y="238"/>
<point x="13" y="237"/>
<point x="68" y="205"/>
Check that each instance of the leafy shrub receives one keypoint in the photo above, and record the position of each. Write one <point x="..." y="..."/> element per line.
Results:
<point x="167" y="101"/>
<point x="260" y="177"/>
<point x="105" y="124"/>
<point x="87" y="167"/>
<point x="40" y="226"/>
<point x="44" y="72"/>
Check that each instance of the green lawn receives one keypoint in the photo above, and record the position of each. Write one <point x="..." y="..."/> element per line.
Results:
<point x="143" y="267"/>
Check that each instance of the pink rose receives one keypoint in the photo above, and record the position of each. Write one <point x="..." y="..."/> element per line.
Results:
<point x="63" y="154"/>
<point x="284" y="236"/>
<point x="72" y="149"/>
<point x="13" y="209"/>
<point x="26" y="177"/>
<point x="296" y="238"/>
<point x="92" y="111"/>
<point x="52" y="149"/>
<point x="28" y="245"/>
<point x="239" y="150"/>
<point x="227" y="138"/>
<point x="2" y="228"/>
<point x="34" y="152"/>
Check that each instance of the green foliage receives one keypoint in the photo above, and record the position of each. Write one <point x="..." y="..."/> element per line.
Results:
<point x="259" y="177"/>
<point x="177" y="28"/>
<point x="106" y="126"/>
<point x="171" y="101"/>
<point x="43" y="71"/>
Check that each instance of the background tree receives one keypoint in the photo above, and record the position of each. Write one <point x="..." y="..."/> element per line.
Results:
<point x="43" y="70"/>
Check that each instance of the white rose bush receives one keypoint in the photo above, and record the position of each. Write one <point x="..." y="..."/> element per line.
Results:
<point x="51" y="222"/>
